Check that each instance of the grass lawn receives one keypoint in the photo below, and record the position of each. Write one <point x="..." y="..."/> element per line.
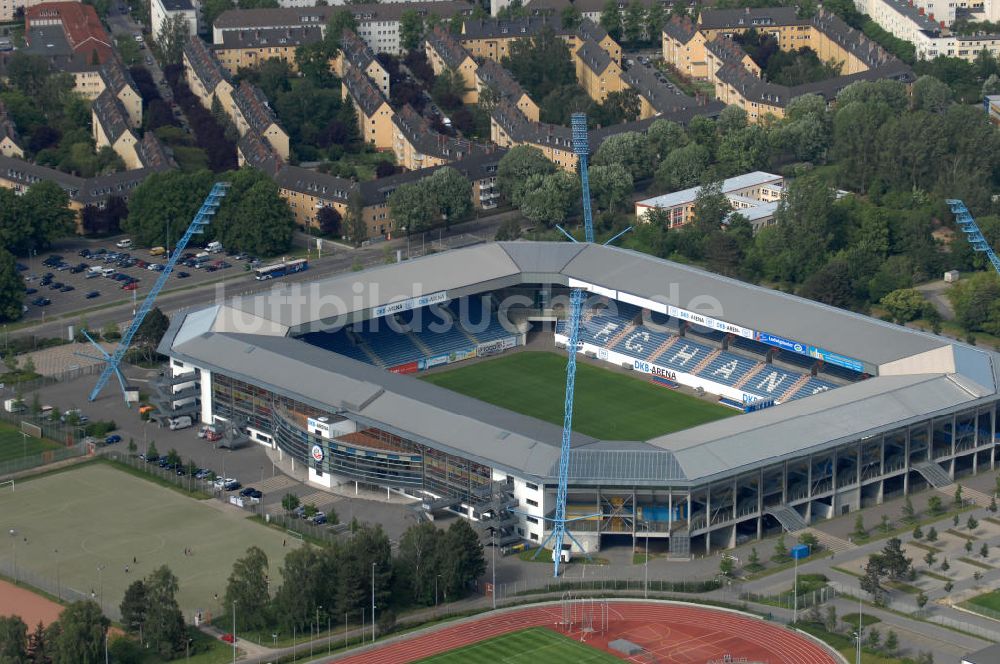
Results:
<point x="990" y="600"/>
<point x="13" y="445"/>
<point x="607" y="405"/>
<point x="537" y="644"/>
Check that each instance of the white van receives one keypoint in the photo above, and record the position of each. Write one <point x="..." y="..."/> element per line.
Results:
<point x="107" y="271"/>
<point x="214" y="247"/>
<point x="181" y="422"/>
<point x="124" y="244"/>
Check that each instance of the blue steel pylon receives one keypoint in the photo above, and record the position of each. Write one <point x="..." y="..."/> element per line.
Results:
<point x="972" y="233"/>
<point x="559" y="532"/>
<point x="112" y="361"/>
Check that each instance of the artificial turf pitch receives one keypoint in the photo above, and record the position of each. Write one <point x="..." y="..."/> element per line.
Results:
<point x="607" y="405"/>
<point x="534" y="645"/>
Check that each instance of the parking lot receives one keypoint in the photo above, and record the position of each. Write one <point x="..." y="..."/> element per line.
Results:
<point x="67" y="280"/>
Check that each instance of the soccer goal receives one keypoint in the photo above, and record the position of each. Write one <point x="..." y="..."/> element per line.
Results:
<point x="5" y="484"/>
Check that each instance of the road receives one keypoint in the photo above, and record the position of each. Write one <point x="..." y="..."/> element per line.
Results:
<point x="233" y="282"/>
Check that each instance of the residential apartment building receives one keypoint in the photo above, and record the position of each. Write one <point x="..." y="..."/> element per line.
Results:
<point x="754" y="195"/>
<point x="251" y="112"/>
<point x="119" y="83"/>
<point x="378" y="24"/>
<point x="20" y="175"/>
<point x="355" y="52"/>
<point x="596" y="72"/>
<point x="111" y="129"/>
<point x="205" y="75"/>
<point x="160" y="11"/>
<point x="925" y="28"/>
<point x="491" y="76"/>
<point x="416" y="144"/>
<point x="79" y="24"/>
<point x="10" y="141"/>
<point x="241" y="49"/>
<point x="9" y="8"/>
<point x="371" y="106"/>
<point x="444" y="52"/>
<point x="491" y="38"/>
<point x="307" y="191"/>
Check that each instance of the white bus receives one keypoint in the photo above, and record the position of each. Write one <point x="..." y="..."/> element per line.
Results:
<point x="280" y="269"/>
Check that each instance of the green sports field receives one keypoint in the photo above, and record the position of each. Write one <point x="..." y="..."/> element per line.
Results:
<point x="78" y="529"/>
<point x="607" y="405"/>
<point x="529" y="646"/>
<point x="15" y="446"/>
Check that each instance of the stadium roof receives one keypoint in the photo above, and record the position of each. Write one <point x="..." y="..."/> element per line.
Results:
<point x="920" y="374"/>
<point x="493" y="265"/>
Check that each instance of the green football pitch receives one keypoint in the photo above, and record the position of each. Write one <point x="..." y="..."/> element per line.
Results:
<point x="13" y="445"/>
<point x="607" y="405"/>
<point x="534" y="645"/>
<point x="78" y="529"/>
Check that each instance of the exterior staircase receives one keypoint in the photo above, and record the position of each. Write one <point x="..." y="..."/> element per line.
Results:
<point x="795" y="387"/>
<point x="748" y="376"/>
<point x="934" y="474"/>
<point x="664" y="347"/>
<point x="708" y="360"/>
<point x="831" y="542"/>
<point x="788" y="517"/>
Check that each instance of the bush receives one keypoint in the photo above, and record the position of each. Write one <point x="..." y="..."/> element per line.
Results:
<point x="100" y="428"/>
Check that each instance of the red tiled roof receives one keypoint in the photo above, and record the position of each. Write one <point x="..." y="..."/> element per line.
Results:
<point x="80" y="23"/>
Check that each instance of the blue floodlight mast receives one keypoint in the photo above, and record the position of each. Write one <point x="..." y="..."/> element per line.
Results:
<point x="112" y="361"/>
<point x="559" y="532"/>
<point x="972" y="233"/>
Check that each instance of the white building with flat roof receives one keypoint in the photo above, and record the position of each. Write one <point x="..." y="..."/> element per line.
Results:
<point x="753" y="195"/>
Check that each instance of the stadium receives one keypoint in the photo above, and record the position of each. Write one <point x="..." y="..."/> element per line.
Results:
<point x="709" y="411"/>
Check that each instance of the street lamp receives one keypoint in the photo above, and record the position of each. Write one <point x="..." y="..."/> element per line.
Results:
<point x="13" y="546"/>
<point x="373" y="601"/>
<point x="100" y="578"/>
<point x="493" y="545"/>
<point x="436" y="589"/>
<point x="58" y="578"/>
<point x="234" y="631"/>
<point x="645" y="567"/>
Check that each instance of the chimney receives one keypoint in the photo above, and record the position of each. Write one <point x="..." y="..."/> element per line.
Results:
<point x="932" y="16"/>
<point x="921" y="10"/>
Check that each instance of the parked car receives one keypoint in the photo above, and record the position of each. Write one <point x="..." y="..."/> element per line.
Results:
<point x="213" y="436"/>
<point x="63" y="266"/>
<point x="41" y="302"/>
<point x="56" y="285"/>
<point x="152" y="458"/>
<point x="183" y="275"/>
<point x="92" y="294"/>
<point x="232" y="485"/>
<point x="247" y="490"/>
<point x="131" y="285"/>
<point x="30" y="291"/>
<point x="228" y="638"/>
<point x="83" y="253"/>
<point x="319" y="518"/>
<point x="67" y="288"/>
<point x="256" y="494"/>
<point x="112" y="439"/>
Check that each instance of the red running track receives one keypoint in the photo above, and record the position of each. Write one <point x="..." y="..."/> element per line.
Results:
<point x="674" y="633"/>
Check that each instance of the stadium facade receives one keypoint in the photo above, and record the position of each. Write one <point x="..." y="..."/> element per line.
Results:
<point x="841" y="411"/>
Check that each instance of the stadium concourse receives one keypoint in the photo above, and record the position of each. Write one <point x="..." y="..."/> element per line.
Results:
<point x="665" y="632"/>
<point x="838" y="411"/>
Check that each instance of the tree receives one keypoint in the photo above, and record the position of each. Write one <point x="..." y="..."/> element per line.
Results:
<point x="918" y="533"/>
<point x="28" y="73"/>
<point x="152" y="329"/>
<point x="450" y="194"/>
<point x="328" y="219"/>
<point x="993" y="504"/>
<point x="340" y="20"/>
<point x="13" y="640"/>
<point x="46" y="205"/>
<point x="508" y="230"/>
<point x="81" y="634"/>
<point x="462" y="560"/>
<point x="904" y="305"/>
<point x="161" y="208"/>
<point x="549" y="199"/>
<point x="921" y="600"/>
<point x="540" y="63"/>
<point x="810" y="540"/>
<point x="11" y="288"/>
<point x="367" y="552"/>
<point x="930" y="94"/>
<point x="515" y="169"/>
<point x="133" y="606"/>
<point x="780" y="549"/>
<point x="945" y="565"/>
<point x="610" y="186"/>
<point x="930" y="558"/>
<point x="908" y="512"/>
<point x="411" y="29"/>
<point x="164" y="627"/>
<point x="972" y="524"/>
<point x="247" y="587"/>
<point x="296" y="600"/>
<point x="411" y="208"/>
<point x="726" y="566"/>
<point x="289" y="502"/>
<point x="151" y="451"/>
<point x="611" y="20"/>
<point x="38" y="645"/>
<point x="309" y="510"/>
<point x="958" y="496"/>
<point x="859" y="532"/>
<point x="618" y="107"/>
<point x="210" y="9"/>
<point x="355" y="225"/>
<point x="418" y="561"/>
<point x="984" y="550"/>
<point x="885" y="525"/>
<point x="629" y="149"/>
<point x="753" y="562"/>
<point x="683" y="167"/>
<point x="968" y="546"/>
<point x="635" y="21"/>
<point x="830" y="621"/>
<point x="571" y="17"/>
<point x="253" y="217"/>
<point x="934" y="505"/>
<point x="170" y="42"/>
<point x="891" y="643"/>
